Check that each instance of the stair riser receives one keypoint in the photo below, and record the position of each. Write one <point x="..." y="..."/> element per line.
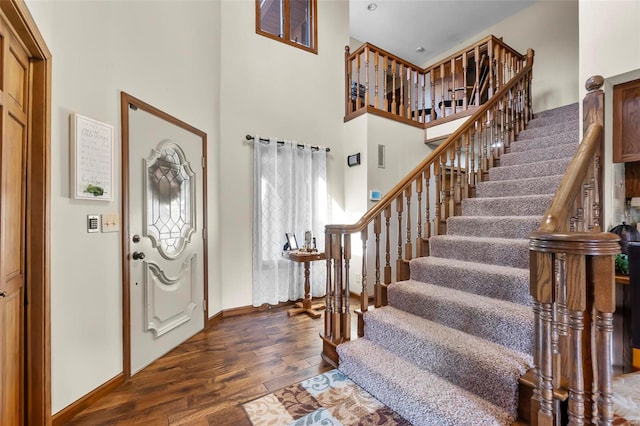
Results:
<point x="509" y="227"/>
<point x="562" y="138"/>
<point x="537" y="155"/>
<point x="513" y="188"/>
<point x="478" y="376"/>
<point x="512" y="288"/>
<point x="558" y="111"/>
<point x="566" y="126"/>
<point x="515" y="206"/>
<point x="525" y="171"/>
<point x="552" y="119"/>
<point x="494" y="325"/>
<point x="498" y="252"/>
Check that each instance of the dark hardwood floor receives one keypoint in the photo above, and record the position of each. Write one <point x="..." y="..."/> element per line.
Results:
<point x="205" y="380"/>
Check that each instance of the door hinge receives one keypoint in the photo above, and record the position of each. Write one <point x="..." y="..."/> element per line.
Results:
<point x="204" y="305"/>
<point x="204" y="234"/>
<point x="204" y="162"/>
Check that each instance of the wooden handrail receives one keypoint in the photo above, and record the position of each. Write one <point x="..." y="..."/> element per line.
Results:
<point x="397" y="190"/>
<point x="558" y="212"/>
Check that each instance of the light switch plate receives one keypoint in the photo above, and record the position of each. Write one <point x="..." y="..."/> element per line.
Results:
<point x="110" y="222"/>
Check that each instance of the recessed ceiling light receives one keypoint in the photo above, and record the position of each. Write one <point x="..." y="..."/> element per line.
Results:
<point x="371" y="7"/>
<point x="420" y="49"/>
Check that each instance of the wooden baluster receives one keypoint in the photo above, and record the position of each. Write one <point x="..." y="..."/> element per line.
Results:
<point x="427" y="209"/>
<point x="481" y="151"/>
<point x="347" y="81"/>
<point x="408" y="248"/>
<point x="376" y="67"/>
<point x="399" y="257"/>
<point x="542" y="290"/>
<point x="385" y="61"/>
<point x="503" y="135"/>
<point x="465" y="64"/>
<point x="472" y="163"/>
<point x="453" y="86"/>
<point x="467" y="160"/>
<point x="499" y="55"/>
<point x="419" y="216"/>
<point x="442" y="92"/>
<point x="491" y="68"/>
<point x="393" y="86"/>
<point x="424" y="97"/>
<point x="432" y="74"/>
<point x="416" y="77"/>
<point x="596" y="196"/>
<point x="329" y="300"/>
<point x="605" y="305"/>
<point x="377" y="290"/>
<point x="336" y="254"/>
<point x="387" y="267"/>
<point x="458" y="189"/>
<point x="358" y="91"/>
<point x="409" y="88"/>
<point x="476" y="85"/>
<point x="444" y="204"/>
<point x="452" y="180"/>
<point x="366" y="76"/>
<point x="402" y="92"/>
<point x="364" y="294"/>
<point x="437" y="177"/>
<point x="345" y="325"/>
<point x="579" y="338"/>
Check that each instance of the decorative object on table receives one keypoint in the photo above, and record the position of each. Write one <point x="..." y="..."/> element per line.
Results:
<point x="622" y="264"/>
<point x="292" y="243"/>
<point x="626" y="233"/>
<point x="91" y="159"/>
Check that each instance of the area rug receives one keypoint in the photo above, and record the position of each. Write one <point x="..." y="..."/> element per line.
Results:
<point x="327" y="399"/>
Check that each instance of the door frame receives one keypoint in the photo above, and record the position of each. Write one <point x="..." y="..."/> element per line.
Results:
<point x="125" y="101"/>
<point x="37" y="286"/>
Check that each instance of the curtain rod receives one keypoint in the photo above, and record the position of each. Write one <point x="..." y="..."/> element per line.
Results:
<point x="315" y="148"/>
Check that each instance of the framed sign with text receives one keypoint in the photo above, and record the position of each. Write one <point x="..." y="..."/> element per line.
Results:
<point x="92" y="159"/>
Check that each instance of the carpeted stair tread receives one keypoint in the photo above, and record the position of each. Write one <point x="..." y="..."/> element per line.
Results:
<point x="485" y="368"/>
<point x="515" y="187"/>
<point x="571" y="137"/>
<point x="505" y="323"/>
<point x="503" y="227"/>
<point x="498" y="282"/>
<point x="574" y="107"/>
<point x="536" y="155"/>
<point x="492" y="251"/>
<point x="552" y="119"/>
<point x="524" y="171"/>
<point x="526" y="205"/>
<point x="422" y="398"/>
<point x="564" y="126"/>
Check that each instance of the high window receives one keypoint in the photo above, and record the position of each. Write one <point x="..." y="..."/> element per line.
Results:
<point x="293" y="22"/>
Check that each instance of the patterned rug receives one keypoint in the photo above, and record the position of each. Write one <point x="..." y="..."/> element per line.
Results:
<point x="329" y="399"/>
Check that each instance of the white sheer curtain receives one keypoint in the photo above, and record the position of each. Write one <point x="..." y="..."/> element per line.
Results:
<point x="289" y="195"/>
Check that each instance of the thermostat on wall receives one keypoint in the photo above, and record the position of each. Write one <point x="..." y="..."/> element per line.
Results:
<point x="375" y="195"/>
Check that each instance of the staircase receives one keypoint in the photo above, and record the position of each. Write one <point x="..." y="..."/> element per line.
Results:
<point x="455" y="338"/>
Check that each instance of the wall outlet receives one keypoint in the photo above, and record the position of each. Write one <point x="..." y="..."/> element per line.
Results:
<point x="110" y="222"/>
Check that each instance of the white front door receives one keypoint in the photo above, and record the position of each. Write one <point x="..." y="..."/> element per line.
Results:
<point x="165" y="236"/>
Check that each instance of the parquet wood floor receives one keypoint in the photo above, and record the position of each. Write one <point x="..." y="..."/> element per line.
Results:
<point x="205" y="380"/>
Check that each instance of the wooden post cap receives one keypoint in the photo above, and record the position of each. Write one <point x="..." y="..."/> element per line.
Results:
<point x="594" y="83"/>
<point x="347" y="49"/>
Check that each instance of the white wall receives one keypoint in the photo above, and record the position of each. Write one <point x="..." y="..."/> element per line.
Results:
<point x="610" y="47"/>
<point x="167" y="54"/>
<point x="550" y="28"/>
<point x="274" y="90"/>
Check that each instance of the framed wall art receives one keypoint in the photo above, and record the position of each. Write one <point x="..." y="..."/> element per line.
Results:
<point x="92" y="158"/>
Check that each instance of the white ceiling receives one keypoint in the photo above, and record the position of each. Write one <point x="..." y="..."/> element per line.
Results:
<point x="400" y="26"/>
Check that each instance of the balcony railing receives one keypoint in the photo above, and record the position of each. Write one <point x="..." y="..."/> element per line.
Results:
<point x="380" y="83"/>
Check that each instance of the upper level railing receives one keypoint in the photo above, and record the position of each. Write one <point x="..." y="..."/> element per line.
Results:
<point x="420" y="205"/>
<point x="573" y="286"/>
<point x="379" y="82"/>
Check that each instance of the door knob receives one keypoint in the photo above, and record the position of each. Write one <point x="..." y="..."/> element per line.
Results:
<point x="138" y="255"/>
<point x="3" y="293"/>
